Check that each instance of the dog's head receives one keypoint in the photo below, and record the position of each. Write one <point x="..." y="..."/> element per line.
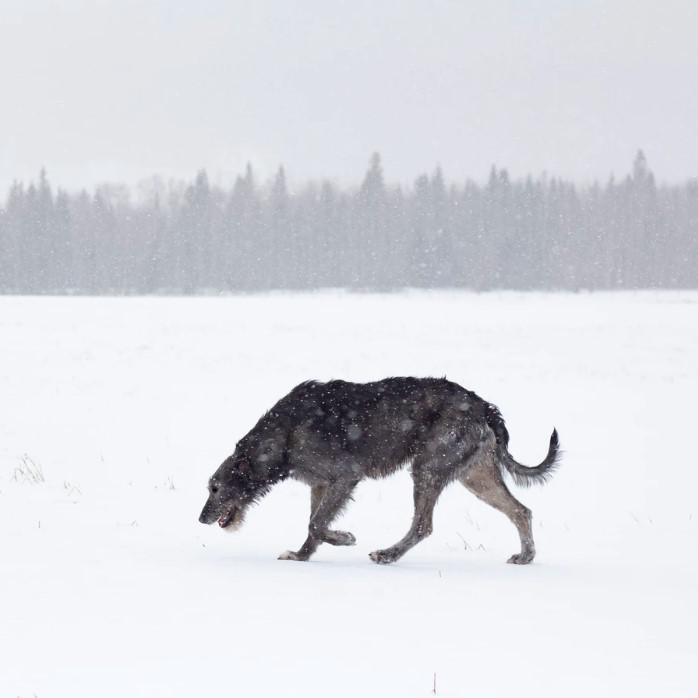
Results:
<point x="242" y="479"/>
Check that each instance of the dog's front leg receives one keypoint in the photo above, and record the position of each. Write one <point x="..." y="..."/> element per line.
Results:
<point x="317" y="492"/>
<point x="334" y="498"/>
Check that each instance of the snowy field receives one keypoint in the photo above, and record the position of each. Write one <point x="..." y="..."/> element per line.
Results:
<point x="109" y="586"/>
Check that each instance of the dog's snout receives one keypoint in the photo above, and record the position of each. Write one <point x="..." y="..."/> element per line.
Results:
<point x="205" y="516"/>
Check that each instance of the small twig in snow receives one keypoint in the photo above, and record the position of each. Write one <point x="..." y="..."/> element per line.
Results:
<point x="70" y="488"/>
<point x="465" y="542"/>
<point x="28" y="471"/>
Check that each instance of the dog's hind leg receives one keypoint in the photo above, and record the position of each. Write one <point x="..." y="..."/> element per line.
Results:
<point x="332" y="537"/>
<point x="484" y="479"/>
<point x="428" y="485"/>
<point x="334" y="499"/>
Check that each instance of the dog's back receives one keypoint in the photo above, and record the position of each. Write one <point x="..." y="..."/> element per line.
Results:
<point x="379" y="426"/>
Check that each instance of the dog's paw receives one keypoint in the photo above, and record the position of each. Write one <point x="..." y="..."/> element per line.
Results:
<point x="383" y="557"/>
<point x="340" y="538"/>
<point x="521" y="559"/>
<point x="289" y="555"/>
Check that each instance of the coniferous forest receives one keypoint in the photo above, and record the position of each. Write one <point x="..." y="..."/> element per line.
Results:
<point x="503" y="233"/>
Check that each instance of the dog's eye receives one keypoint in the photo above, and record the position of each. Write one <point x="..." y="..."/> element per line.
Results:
<point x="214" y="489"/>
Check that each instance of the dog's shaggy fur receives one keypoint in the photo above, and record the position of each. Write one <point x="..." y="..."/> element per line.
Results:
<point x="332" y="435"/>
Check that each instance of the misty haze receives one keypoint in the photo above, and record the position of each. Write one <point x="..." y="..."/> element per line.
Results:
<point x="541" y="233"/>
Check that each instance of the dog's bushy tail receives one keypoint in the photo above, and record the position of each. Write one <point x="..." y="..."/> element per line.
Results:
<point x="523" y="475"/>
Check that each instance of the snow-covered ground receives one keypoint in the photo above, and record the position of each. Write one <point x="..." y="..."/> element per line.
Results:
<point x="109" y="586"/>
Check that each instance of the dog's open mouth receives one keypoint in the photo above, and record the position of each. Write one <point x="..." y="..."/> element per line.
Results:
<point x="231" y="518"/>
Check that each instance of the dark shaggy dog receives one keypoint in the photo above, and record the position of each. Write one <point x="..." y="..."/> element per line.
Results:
<point x="332" y="435"/>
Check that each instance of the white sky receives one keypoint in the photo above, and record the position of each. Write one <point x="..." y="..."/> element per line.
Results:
<point x="107" y="90"/>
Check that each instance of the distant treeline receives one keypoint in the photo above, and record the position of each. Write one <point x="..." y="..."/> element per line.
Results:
<point x="541" y="233"/>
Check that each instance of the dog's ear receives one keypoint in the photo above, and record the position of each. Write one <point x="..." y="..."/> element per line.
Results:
<point x="243" y="466"/>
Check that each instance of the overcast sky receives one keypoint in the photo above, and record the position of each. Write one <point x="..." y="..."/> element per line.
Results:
<point x="118" y="90"/>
